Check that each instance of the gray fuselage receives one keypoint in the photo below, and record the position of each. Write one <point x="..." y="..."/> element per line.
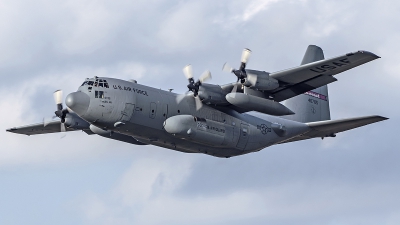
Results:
<point x="142" y="112"/>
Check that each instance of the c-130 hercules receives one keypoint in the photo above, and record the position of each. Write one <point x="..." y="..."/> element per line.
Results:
<point x="212" y="119"/>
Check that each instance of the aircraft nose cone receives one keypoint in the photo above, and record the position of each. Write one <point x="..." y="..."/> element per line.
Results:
<point x="78" y="102"/>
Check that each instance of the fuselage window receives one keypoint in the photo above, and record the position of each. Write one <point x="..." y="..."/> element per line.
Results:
<point x="96" y="94"/>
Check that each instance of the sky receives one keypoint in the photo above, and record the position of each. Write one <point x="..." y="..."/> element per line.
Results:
<point x="79" y="179"/>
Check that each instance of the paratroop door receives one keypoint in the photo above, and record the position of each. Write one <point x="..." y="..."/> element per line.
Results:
<point x="244" y="136"/>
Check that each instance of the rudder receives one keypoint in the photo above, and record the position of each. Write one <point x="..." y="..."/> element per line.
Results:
<point x="313" y="105"/>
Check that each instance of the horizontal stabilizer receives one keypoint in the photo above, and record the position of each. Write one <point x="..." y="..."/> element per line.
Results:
<point x="329" y="128"/>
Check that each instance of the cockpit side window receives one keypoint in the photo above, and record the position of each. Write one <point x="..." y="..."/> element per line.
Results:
<point x="99" y="94"/>
<point x="84" y="83"/>
<point x="105" y="84"/>
<point x="90" y="83"/>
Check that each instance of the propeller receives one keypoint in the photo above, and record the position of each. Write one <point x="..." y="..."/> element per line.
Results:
<point x="194" y="86"/>
<point x="241" y="72"/>
<point x="60" y="113"/>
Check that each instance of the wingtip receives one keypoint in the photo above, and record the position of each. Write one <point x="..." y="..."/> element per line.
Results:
<point x="369" y="53"/>
<point x="379" y="118"/>
<point x="383" y="118"/>
<point x="11" y="129"/>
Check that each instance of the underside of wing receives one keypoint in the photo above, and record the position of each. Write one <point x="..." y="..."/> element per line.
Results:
<point x="298" y="80"/>
<point x="39" y="128"/>
<point x="330" y="128"/>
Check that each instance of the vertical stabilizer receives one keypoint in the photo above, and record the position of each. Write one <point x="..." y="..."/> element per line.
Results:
<point x="313" y="105"/>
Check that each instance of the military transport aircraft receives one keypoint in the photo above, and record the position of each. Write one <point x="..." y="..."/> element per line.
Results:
<point x="212" y="119"/>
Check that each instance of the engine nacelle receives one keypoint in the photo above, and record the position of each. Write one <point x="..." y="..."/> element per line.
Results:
<point x="212" y="94"/>
<point x="260" y="80"/>
<point x="200" y="130"/>
<point x="75" y="122"/>
<point x="254" y="103"/>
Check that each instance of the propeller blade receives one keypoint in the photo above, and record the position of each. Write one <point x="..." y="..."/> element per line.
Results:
<point x="198" y="102"/>
<point x="179" y="98"/>
<point x="63" y="130"/>
<point x="227" y="68"/>
<point x="58" y="97"/>
<point x="245" y="55"/>
<point x="187" y="70"/>
<point x="252" y="78"/>
<point x="205" y="76"/>
<point x="234" y="89"/>
<point x="48" y="120"/>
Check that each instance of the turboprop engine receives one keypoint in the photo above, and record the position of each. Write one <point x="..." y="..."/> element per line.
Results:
<point x="260" y="80"/>
<point x="213" y="94"/>
<point x="200" y="130"/>
<point x="75" y="122"/>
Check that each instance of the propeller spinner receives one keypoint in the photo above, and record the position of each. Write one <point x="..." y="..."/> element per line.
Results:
<point x="60" y="113"/>
<point x="194" y="86"/>
<point x="241" y="72"/>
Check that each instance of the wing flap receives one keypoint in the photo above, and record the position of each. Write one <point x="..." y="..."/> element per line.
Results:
<point x="39" y="128"/>
<point x="331" y="127"/>
<point x="303" y="87"/>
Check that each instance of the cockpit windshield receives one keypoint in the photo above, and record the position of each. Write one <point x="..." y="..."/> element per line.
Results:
<point x="96" y="83"/>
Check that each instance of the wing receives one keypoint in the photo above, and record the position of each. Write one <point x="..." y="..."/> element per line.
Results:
<point x="307" y="77"/>
<point x="39" y="128"/>
<point x="55" y="127"/>
<point x="329" y="128"/>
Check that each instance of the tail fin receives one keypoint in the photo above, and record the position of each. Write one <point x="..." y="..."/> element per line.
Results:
<point x="313" y="105"/>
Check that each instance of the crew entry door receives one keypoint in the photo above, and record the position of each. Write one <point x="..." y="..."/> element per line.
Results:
<point x="127" y="113"/>
<point x="129" y="108"/>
